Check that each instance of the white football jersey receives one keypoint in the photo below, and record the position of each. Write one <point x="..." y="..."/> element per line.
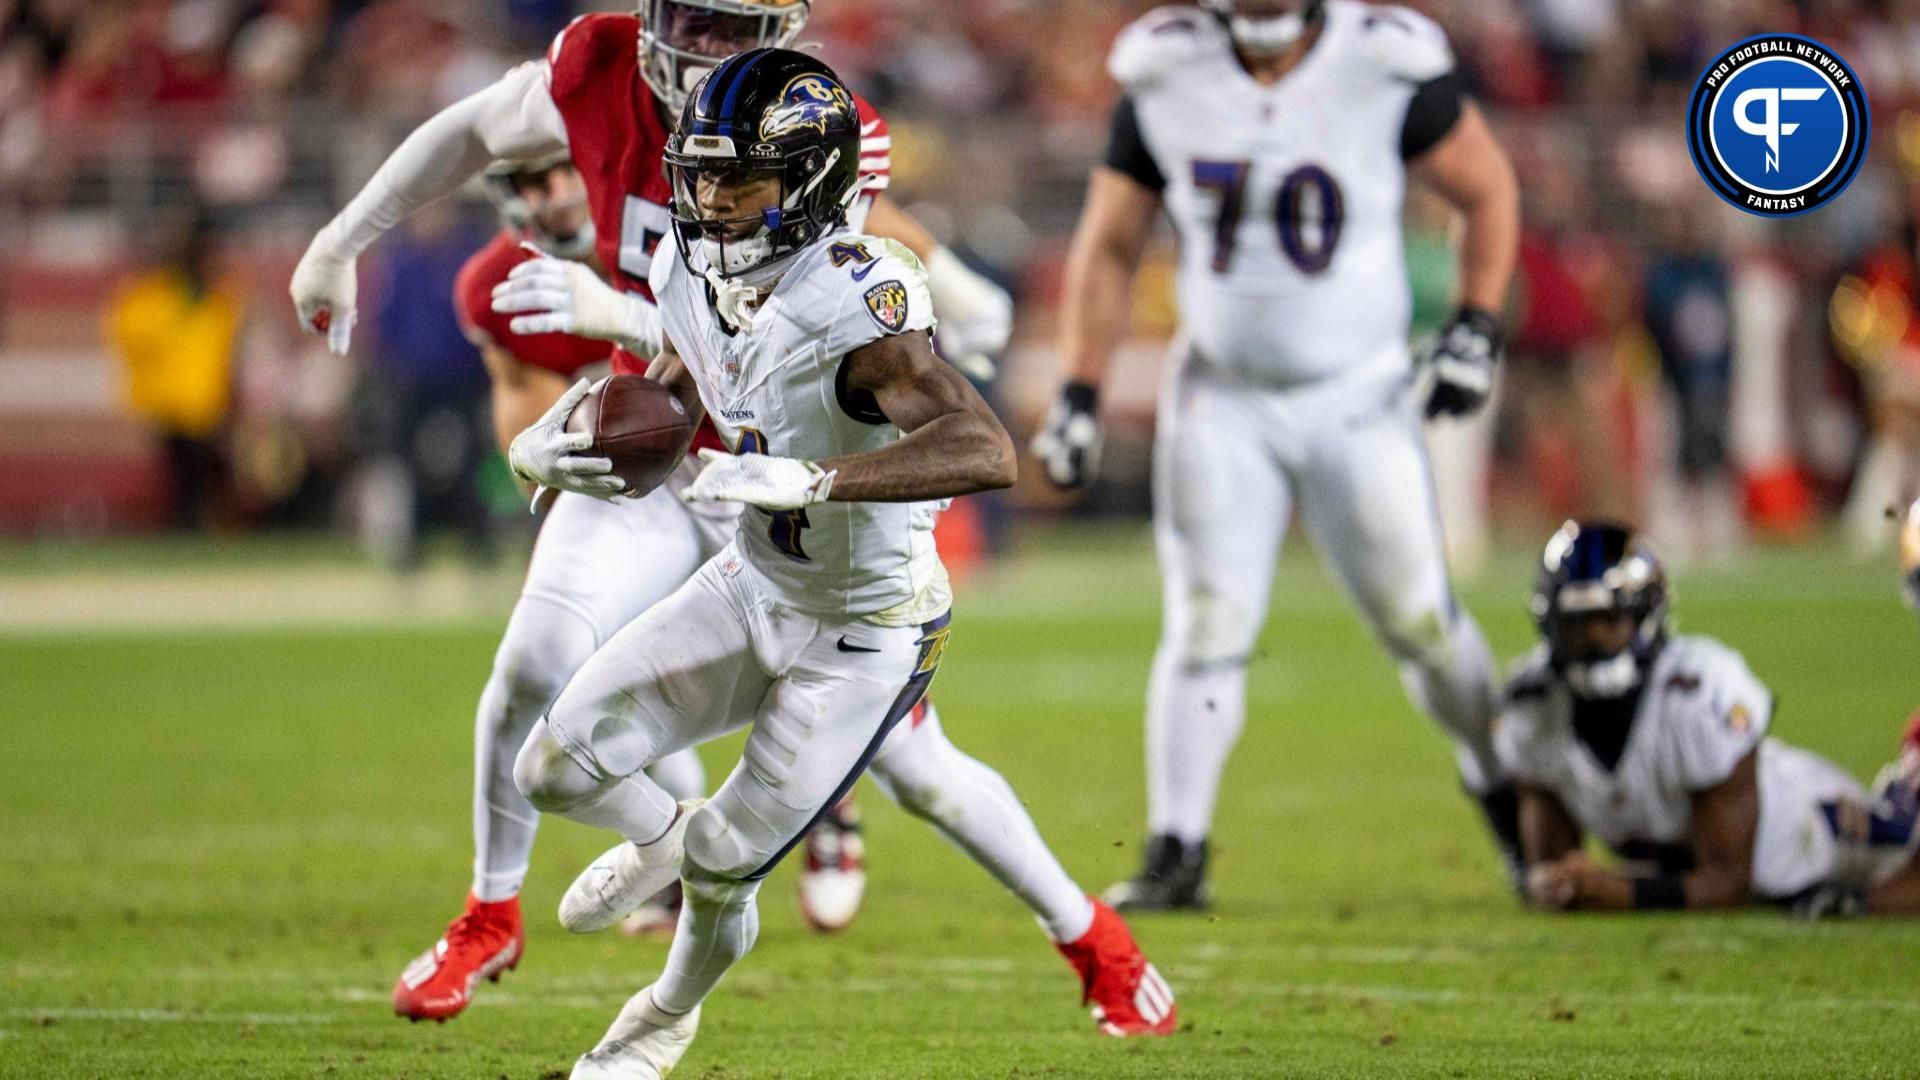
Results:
<point x="778" y="388"/>
<point x="1287" y="197"/>
<point x="1701" y="713"/>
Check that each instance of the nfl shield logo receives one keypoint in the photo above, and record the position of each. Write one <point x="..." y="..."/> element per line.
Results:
<point x="887" y="303"/>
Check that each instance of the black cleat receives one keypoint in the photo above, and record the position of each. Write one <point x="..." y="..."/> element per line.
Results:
<point x="1173" y="879"/>
<point x="1502" y="808"/>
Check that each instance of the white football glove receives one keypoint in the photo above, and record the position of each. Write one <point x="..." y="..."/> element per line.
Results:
<point x="976" y="316"/>
<point x="1068" y="444"/>
<point x="560" y="296"/>
<point x="770" y="483"/>
<point x="546" y="455"/>
<point x="325" y="291"/>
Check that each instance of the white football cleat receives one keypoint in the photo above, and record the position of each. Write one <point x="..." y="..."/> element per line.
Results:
<point x="644" y="1043"/>
<point x="834" y="881"/>
<point x="614" y="885"/>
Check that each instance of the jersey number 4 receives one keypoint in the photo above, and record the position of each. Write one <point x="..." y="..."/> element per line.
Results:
<point x="1308" y="197"/>
<point x="785" y="526"/>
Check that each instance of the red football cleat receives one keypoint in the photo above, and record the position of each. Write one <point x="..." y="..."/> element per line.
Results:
<point x="1128" y="996"/>
<point x="833" y="883"/>
<point x="480" y="944"/>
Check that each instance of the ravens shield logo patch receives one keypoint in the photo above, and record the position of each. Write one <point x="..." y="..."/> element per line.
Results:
<point x="887" y="303"/>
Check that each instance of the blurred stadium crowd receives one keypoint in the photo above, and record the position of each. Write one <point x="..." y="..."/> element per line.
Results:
<point x="1671" y="360"/>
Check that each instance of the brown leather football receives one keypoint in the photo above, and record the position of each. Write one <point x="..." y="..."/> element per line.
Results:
<point x="639" y="424"/>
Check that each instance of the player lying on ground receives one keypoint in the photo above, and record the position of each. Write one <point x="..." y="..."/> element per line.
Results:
<point x="819" y="627"/>
<point x="1657" y="745"/>
<point x="1280" y="136"/>
<point x="605" y="95"/>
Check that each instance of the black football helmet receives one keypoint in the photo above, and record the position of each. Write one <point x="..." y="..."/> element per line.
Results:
<point x="774" y="112"/>
<point x="1595" y="571"/>
<point x="1266" y="27"/>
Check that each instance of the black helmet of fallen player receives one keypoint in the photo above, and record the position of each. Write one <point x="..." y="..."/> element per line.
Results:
<point x="682" y="40"/>
<point x="502" y="182"/>
<point x="1601" y="605"/>
<point x="1267" y="27"/>
<point x="775" y="112"/>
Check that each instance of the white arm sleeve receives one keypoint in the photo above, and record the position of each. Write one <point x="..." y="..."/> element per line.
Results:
<point x="513" y="118"/>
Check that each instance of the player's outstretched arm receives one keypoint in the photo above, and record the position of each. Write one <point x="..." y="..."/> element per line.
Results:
<point x="1725" y="820"/>
<point x="1105" y="253"/>
<point x="1547" y="831"/>
<point x="1095" y="312"/>
<point x="513" y="118"/>
<point x="952" y="443"/>
<point x="1469" y="169"/>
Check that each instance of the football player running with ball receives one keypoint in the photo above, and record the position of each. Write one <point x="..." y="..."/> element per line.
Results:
<point x="605" y="97"/>
<point x="1657" y="745"/>
<point x="1280" y="135"/>
<point x="597" y="564"/>
<point x="822" y="623"/>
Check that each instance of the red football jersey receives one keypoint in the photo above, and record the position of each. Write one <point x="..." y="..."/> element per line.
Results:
<point x="473" y="299"/>
<point x="617" y="136"/>
<point x="562" y="353"/>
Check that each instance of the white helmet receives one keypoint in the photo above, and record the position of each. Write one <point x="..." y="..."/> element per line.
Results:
<point x="501" y="181"/>
<point x="682" y="40"/>
<point x="1265" y="33"/>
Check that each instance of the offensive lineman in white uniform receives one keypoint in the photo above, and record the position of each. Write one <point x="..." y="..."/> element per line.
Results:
<point x="1279" y="135"/>
<point x="1657" y="745"/>
<point x="822" y="623"/>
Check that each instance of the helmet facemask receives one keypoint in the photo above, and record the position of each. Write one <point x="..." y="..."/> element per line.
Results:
<point x="779" y="213"/>
<point x="1260" y="30"/>
<point x="1605" y="625"/>
<point x="682" y="40"/>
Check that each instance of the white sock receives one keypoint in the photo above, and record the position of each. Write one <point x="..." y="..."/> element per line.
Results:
<point x="719" y="922"/>
<point x="544" y="644"/>
<point x="1194" y="716"/>
<point x="635" y="807"/>
<point x="1458" y="691"/>
<point x="974" y="808"/>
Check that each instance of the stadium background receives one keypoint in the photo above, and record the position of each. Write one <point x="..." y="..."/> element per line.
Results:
<point x="238" y="709"/>
<point x="123" y="122"/>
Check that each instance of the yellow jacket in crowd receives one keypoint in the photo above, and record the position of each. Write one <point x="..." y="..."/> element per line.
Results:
<point x="177" y="348"/>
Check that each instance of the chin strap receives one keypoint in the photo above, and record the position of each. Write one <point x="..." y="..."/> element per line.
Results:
<point x="735" y="300"/>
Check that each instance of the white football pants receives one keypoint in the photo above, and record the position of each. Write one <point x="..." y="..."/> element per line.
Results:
<point x="821" y="696"/>
<point x="1231" y="462"/>
<point x="595" y="566"/>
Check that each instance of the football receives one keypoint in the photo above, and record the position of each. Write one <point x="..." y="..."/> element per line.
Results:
<point x="639" y="424"/>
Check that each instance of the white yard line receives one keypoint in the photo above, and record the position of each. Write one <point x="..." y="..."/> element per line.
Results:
<point x="167" y="1016"/>
<point x="247" y="598"/>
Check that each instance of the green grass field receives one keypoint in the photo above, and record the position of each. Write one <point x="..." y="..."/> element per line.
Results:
<point x="219" y="847"/>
